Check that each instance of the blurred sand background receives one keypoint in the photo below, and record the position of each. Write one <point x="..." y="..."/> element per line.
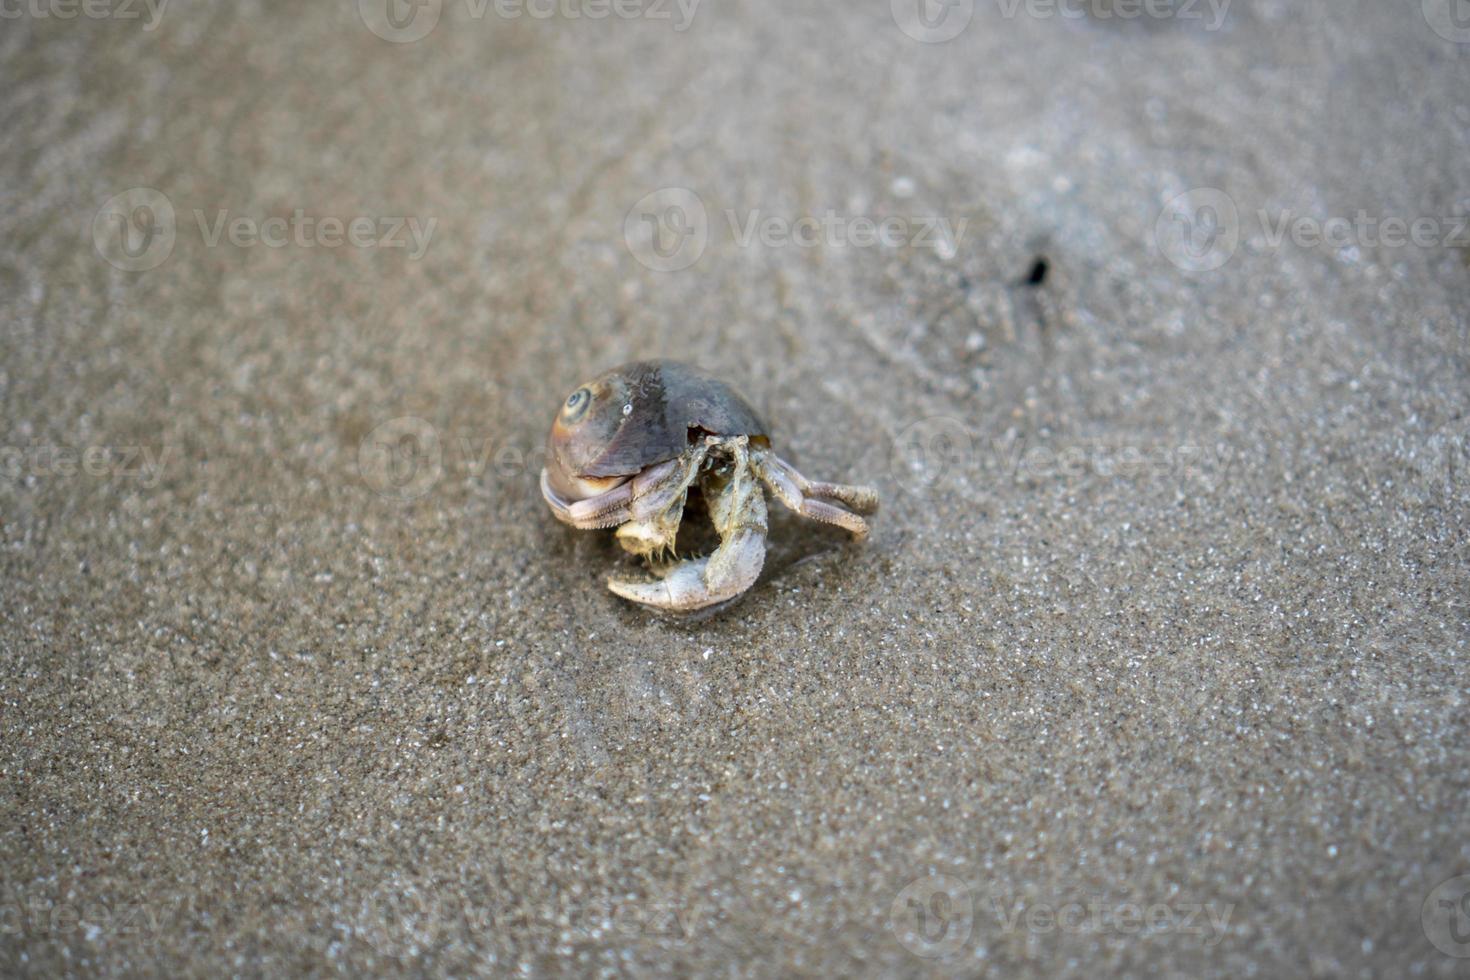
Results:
<point x="1156" y="663"/>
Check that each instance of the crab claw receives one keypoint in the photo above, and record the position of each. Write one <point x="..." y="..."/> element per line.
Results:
<point x="702" y="582"/>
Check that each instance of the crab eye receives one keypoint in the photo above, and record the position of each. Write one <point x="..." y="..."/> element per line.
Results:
<point x="576" y="404"/>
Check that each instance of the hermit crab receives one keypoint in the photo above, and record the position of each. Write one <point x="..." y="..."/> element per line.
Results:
<point x="629" y="448"/>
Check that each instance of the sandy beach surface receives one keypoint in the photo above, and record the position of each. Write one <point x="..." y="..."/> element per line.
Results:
<point x="1149" y="323"/>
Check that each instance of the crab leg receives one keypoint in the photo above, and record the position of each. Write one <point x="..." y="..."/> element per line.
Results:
<point x="816" y="500"/>
<point x="658" y="506"/>
<point x="738" y="511"/>
<point x="602" y="510"/>
<point x="646" y="495"/>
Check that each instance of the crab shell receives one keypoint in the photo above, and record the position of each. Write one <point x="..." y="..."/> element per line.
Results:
<point x="639" y="415"/>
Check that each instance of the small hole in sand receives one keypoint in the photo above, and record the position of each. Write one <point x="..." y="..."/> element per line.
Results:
<point x="1039" y="269"/>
